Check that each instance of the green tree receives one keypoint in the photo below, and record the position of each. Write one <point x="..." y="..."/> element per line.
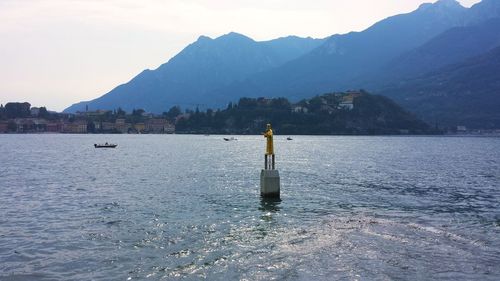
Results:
<point x="173" y="112"/>
<point x="138" y="112"/>
<point x="43" y="113"/>
<point x="120" y="112"/>
<point x="3" y="114"/>
<point x="17" y="109"/>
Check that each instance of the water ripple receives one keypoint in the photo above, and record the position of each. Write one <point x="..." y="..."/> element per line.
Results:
<point x="169" y="207"/>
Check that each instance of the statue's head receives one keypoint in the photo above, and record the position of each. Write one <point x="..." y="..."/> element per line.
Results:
<point x="268" y="126"/>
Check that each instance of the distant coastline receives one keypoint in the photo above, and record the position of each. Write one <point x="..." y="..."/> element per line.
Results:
<point x="343" y="113"/>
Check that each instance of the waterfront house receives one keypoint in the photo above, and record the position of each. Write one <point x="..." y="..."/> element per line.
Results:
<point x="4" y="127"/>
<point x="108" y="126"/>
<point x="30" y="125"/>
<point x="121" y="126"/>
<point x="140" y="127"/>
<point x="169" y="128"/>
<point x="54" y="127"/>
<point x="40" y="125"/>
<point x="159" y="126"/>
<point x="76" y="127"/>
<point x="97" y="125"/>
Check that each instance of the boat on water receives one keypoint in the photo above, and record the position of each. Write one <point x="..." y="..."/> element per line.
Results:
<point x="230" y="139"/>
<point x="106" y="145"/>
<point x="289" y="138"/>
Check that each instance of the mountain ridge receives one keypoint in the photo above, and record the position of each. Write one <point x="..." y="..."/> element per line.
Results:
<point x="212" y="72"/>
<point x="342" y="57"/>
<point x="201" y="67"/>
<point x="450" y="47"/>
<point x="465" y="93"/>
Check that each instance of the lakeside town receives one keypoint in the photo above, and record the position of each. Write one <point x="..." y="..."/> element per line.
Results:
<point x="22" y="118"/>
<point x="18" y="117"/>
<point x="344" y="113"/>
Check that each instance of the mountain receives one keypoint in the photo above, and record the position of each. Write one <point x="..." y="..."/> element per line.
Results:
<point x="405" y="57"/>
<point x="200" y="68"/>
<point x="335" y="63"/>
<point x="450" y="47"/>
<point x="484" y="10"/>
<point x="467" y="93"/>
<point x="215" y="71"/>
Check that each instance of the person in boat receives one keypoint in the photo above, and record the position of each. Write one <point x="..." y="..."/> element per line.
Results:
<point x="269" y="157"/>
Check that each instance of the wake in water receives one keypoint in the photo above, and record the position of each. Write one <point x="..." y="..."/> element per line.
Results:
<point x="346" y="247"/>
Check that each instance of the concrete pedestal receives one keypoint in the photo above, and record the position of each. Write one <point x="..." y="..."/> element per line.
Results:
<point x="270" y="183"/>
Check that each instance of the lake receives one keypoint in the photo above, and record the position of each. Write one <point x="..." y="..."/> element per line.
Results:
<point x="188" y="207"/>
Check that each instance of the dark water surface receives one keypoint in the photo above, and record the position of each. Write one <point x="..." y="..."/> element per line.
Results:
<point x="172" y="206"/>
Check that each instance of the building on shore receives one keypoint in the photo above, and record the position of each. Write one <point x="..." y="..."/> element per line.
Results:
<point x="108" y="126"/>
<point x="30" y="125"/>
<point x="121" y="126"/>
<point x="54" y="127"/>
<point x="140" y="127"/>
<point x="159" y="126"/>
<point x="76" y="127"/>
<point x="4" y="127"/>
<point x="97" y="125"/>
<point x="169" y="128"/>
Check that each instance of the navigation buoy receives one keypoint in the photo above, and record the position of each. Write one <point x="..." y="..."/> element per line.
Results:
<point x="269" y="176"/>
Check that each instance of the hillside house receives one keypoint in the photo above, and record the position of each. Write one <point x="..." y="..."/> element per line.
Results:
<point x="299" y="109"/>
<point x="347" y="102"/>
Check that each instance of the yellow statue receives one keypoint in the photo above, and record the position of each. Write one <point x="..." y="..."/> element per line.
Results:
<point x="269" y="135"/>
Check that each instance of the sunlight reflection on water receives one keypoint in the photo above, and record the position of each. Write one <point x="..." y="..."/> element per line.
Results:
<point x="188" y="206"/>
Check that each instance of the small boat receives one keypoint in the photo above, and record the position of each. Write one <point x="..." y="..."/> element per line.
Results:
<point x="106" y="145"/>
<point x="230" y="139"/>
<point x="289" y="138"/>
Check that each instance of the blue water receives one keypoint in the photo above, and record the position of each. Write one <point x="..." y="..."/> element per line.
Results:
<point x="172" y="206"/>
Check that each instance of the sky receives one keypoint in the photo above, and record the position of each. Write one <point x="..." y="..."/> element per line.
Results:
<point x="55" y="53"/>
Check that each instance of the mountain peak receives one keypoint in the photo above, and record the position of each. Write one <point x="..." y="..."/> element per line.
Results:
<point x="448" y="3"/>
<point x="487" y="3"/>
<point x="203" y="38"/>
<point x="234" y="36"/>
<point x="441" y="4"/>
<point x="484" y="10"/>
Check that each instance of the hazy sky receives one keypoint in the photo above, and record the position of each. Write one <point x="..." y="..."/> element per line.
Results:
<point x="58" y="52"/>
